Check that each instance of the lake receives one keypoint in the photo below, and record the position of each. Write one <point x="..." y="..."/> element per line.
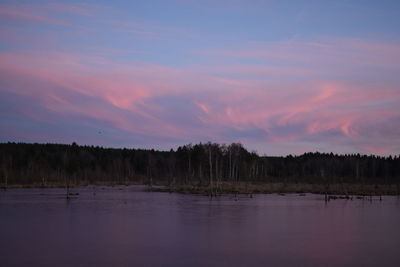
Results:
<point x="126" y="226"/>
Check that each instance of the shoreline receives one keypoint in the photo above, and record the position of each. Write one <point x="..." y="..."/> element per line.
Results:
<point x="346" y="190"/>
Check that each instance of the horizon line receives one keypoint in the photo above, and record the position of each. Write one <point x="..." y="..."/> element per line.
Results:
<point x="395" y="156"/>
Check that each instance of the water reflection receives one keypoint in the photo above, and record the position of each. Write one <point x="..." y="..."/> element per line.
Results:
<point x="128" y="227"/>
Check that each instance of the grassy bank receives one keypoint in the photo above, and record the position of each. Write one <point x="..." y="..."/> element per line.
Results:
<point x="282" y="188"/>
<point x="241" y="188"/>
<point x="63" y="185"/>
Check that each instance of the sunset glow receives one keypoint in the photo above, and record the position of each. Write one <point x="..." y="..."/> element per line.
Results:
<point x="160" y="74"/>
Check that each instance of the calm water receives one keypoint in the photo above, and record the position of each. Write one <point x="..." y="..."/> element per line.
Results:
<point x="128" y="227"/>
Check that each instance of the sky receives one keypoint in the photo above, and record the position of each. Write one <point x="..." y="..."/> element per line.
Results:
<point x="281" y="77"/>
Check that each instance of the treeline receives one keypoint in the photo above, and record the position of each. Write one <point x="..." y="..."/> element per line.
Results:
<point x="200" y="164"/>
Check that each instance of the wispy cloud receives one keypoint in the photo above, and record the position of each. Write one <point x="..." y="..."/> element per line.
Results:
<point x="52" y="13"/>
<point x="131" y="75"/>
<point x="148" y="30"/>
<point x="329" y="52"/>
<point x="183" y="103"/>
<point x="27" y="16"/>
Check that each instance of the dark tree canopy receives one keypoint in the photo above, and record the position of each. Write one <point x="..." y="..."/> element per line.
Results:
<point x="199" y="164"/>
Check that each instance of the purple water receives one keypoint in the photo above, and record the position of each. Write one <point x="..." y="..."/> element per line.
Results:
<point x="126" y="226"/>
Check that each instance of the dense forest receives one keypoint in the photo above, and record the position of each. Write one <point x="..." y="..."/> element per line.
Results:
<point x="200" y="164"/>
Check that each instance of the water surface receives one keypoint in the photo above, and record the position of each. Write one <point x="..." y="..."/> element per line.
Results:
<point x="124" y="226"/>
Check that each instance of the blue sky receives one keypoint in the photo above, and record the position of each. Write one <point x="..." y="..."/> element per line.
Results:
<point x="282" y="77"/>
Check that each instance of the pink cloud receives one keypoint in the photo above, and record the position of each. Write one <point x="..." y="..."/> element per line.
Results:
<point x="375" y="150"/>
<point x="16" y="14"/>
<point x="191" y="102"/>
<point x="79" y="9"/>
<point x="203" y="107"/>
<point x="332" y="92"/>
<point x="147" y="30"/>
<point x="326" y="53"/>
<point x="46" y="14"/>
<point x="124" y="87"/>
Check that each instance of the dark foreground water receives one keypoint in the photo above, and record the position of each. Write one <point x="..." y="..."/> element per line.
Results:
<point x="128" y="227"/>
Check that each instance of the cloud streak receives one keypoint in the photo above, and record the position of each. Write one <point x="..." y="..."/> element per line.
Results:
<point x="277" y="97"/>
<point x="147" y="99"/>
